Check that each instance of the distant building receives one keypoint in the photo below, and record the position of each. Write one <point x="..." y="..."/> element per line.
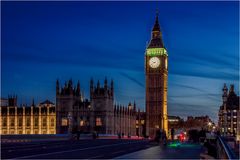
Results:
<point x="199" y="122"/>
<point x="100" y="114"/>
<point x="175" y="122"/>
<point x="40" y="119"/>
<point x="229" y="113"/>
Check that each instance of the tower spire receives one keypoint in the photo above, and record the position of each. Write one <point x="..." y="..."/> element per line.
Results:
<point x="156" y="39"/>
<point x="156" y="25"/>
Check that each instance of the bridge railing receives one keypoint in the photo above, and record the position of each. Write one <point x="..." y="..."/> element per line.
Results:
<point x="224" y="151"/>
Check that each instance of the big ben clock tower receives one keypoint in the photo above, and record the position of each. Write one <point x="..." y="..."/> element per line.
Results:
<point x="156" y="69"/>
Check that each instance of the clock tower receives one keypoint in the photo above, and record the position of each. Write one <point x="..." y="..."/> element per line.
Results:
<point x="156" y="70"/>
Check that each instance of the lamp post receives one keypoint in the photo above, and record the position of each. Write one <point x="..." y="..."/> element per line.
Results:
<point x="69" y="123"/>
<point x="209" y="126"/>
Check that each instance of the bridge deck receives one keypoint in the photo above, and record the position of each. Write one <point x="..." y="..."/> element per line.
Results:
<point x="172" y="151"/>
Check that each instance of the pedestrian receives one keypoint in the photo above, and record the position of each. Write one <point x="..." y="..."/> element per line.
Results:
<point x="164" y="137"/>
<point x="119" y="135"/>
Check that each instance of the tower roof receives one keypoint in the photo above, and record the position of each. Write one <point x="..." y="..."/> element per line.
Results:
<point x="156" y="26"/>
<point x="156" y="39"/>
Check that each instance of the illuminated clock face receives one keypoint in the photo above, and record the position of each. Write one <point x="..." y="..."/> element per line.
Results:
<point x="166" y="63"/>
<point x="154" y="62"/>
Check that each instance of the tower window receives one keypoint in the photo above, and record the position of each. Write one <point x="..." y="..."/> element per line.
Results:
<point x="82" y="123"/>
<point x="35" y="122"/>
<point x="28" y="122"/>
<point x="20" y="122"/>
<point x="64" y="122"/>
<point x="4" y="122"/>
<point x="52" y="122"/>
<point x="44" y="123"/>
<point x="12" y="122"/>
<point x="98" y="122"/>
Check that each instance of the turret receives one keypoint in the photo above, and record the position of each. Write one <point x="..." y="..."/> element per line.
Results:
<point x="12" y="100"/>
<point x="33" y="104"/>
<point x="98" y="85"/>
<point x="231" y="88"/>
<point x="112" y="88"/>
<point x="57" y="87"/>
<point x="134" y="106"/>
<point x="78" y="89"/>
<point x="91" y="88"/>
<point x="105" y="83"/>
<point x="130" y="106"/>
<point x="225" y="93"/>
<point x="70" y="87"/>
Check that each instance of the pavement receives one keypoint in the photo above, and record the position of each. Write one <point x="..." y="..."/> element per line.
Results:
<point x="179" y="151"/>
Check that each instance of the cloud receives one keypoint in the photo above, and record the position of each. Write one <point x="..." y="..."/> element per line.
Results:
<point x="132" y="79"/>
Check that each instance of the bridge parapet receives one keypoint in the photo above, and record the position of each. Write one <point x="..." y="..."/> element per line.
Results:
<point x="224" y="151"/>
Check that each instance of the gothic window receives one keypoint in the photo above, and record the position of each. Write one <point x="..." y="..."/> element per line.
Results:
<point x="20" y="121"/>
<point x="35" y="121"/>
<point x="64" y="121"/>
<point x="98" y="121"/>
<point x="81" y="122"/>
<point x="44" y="122"/>
<point x="151" y="98"/>
<point x="28" y="121"/>
<point x="52" y="122"/>
<point x="4" y="122"/>
<point x="12" y="122"/>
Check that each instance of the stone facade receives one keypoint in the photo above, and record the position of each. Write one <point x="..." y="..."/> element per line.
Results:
<point x="40" y="119"/>
<point x="100" y="114"/>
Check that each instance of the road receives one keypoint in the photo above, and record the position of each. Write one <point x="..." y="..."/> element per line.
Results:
<point x="65" y="149"/>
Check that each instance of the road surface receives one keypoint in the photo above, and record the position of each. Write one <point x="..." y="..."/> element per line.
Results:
<point x="65" y="149"/>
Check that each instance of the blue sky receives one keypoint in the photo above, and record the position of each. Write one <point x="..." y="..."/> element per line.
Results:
<point x="43" y="41"/>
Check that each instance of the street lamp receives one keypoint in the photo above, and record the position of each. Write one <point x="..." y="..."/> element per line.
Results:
<point x="69" y="123"/>
<point x="209" y="125"/>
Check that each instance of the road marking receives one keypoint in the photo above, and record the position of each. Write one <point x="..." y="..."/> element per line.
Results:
<point x="81" y="149"/>
<point x="31" y="145"/>
<point x="117" y="152"/>
<point x="37" y="146"/>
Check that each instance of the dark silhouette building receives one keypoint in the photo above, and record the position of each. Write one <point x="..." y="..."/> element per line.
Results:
<point x="229" y="113"/>
<point x="100" y="114"/>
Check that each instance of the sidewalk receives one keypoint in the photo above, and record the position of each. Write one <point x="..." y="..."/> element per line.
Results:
<point x="184" y="151"/>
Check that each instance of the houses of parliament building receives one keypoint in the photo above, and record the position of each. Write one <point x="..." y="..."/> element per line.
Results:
<point x="73" y="113"/>
<point x="40" y="119"/>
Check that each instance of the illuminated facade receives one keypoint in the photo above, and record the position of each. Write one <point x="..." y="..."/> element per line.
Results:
<point x="74" y="113"/>
<point x="156" y="68"/>
<point x="229" y="113"/>
<point x="40" y="119"/>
